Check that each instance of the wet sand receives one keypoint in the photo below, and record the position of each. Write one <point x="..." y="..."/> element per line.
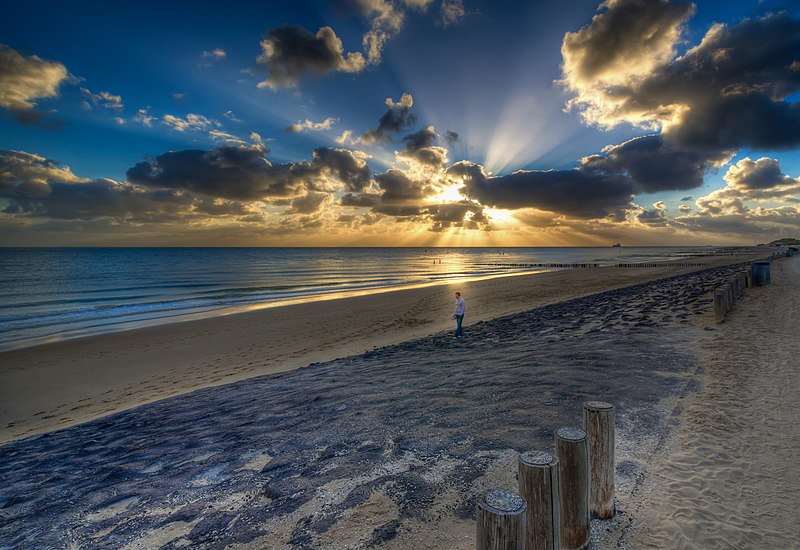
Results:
<point x="66" y="383"/>
<point x="389" y="448"/>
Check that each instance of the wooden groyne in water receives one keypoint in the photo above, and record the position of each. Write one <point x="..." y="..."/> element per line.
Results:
<point x="578" y="266"/>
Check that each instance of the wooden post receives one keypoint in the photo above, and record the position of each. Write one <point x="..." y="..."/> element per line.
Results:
<point x="731" y="295"/>
<point x="539" y="486"/>
<point x="761" y="273"/>
<point x="719" y="305"/>
<point x="749" y="277"/>
<point x="573" y="470"/>
<point x="500" y="519"/>
<point x="598" y="421"/>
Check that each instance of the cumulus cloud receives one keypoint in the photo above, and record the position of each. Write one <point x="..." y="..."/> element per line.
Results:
<point x="398" y="187"/>
<point x="420" y="150"/>
<point x="34" y="186"/>
<point x="656" y="216"/>
<point x="386" y="21"/>
<point x="24" y="80"/>
<point x="289" y="52"/>
<point x="750" y="180"/>
<point x="232" y="172"/>
<point x="452" y="11"/>
<point x="106" y="100"/>
<point x="144" y="118"/>
<point x="398" y="118"/>
<point x="726" y="93"/>
<point x="27" y="175"/>
<point x="764" y="173"/>
<point x="311" y="126"/>
<point x="626" y="41"/>
<point x="345" y="138"/>
<point x="191" y="122"/>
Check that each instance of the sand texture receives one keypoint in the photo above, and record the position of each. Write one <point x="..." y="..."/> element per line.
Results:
<point x="65" y="383"/>
<point x="389" y="448"/>
<point x="729" y="476"/>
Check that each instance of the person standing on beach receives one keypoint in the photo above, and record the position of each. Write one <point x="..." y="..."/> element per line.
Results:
<point x="461" y="307"/>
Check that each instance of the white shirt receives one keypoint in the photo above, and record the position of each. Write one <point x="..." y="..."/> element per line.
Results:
<point x="461" y="306"/>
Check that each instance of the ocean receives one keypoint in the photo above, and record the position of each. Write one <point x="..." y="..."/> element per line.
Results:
<point x="50" y="294"/>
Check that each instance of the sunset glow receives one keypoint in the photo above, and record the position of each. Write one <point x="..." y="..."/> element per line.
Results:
<point x="422" y="123"/>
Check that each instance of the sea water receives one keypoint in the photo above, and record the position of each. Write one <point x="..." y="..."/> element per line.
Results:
<point x="49" y="294"/>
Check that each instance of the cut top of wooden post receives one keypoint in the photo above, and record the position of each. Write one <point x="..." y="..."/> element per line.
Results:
<point x="571" y="434"/>
<point x="536" y="458"/>
<point x="503" y="502"/>
<point x="598" y="406"/>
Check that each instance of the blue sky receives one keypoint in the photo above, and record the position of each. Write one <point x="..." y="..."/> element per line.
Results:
<point x="146" y="79"/>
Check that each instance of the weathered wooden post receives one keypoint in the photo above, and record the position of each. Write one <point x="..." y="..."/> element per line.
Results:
<point x="598" y="422"/>
<point x="573" y="470"/>
<point x="749" y="276"/>
<point x="500" y="519"/>
<point x="761" y="273"/>
<point x="719" y="305"/>
<point x="731" y="295"/>
<point x="540" y="487"/>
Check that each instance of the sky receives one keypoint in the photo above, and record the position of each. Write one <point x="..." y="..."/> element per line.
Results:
<point x="399" y="123"/>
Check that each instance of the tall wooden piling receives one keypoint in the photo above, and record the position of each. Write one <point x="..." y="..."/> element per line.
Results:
<point x="573" y="469"/>
<point x="500" y="519"/>
<point x="598" y="422"/>
<point x="719" y="305"/>
<point x="539" y="486"/>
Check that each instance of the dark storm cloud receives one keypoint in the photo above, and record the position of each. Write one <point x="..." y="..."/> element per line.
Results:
<point x="398" y="118"/>
<point x="34" y="186"/>
<point x="309" y="203"/>
<point x="360" y="200"/>
<point x="24" y="80"/>
<point x="420" y="149"/>
<point x="243" y="173"/>
<point x="629" y="35"/>
<point x="421" y="139"/>
<point x="351" y="170"/>
<point x="398" y="211"/>
<point x="581" y="193"/>
<point x="398" y="187"/>
<point x="240" y="173"/>
<point x="102" y="199"/>
<point x="727" y="93"/>
<point x="655" y="165"/>
<point x="290" y="51"/>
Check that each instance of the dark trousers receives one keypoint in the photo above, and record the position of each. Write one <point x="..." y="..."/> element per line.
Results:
<point x="459" y="331"/>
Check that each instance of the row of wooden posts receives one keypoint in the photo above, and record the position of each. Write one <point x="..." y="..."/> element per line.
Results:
<point x="576" y="266"/>
<point x="557" y="492"/>
<point x="725" y="296"/>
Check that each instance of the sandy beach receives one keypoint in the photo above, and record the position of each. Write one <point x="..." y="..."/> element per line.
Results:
<point x="62" y="384"/>
<point x="391" y="447"/>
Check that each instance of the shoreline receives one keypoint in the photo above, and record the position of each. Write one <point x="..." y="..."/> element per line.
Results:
<point x="65" y="383"/>
<point x="386" y="448"/>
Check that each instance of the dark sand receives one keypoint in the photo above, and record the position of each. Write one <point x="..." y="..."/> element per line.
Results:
<point x="386" y="448"/>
